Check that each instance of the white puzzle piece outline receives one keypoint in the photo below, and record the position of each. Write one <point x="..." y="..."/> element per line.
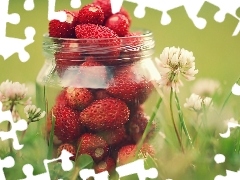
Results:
<point x="11" y="45"/>
<point x="66" y="164"/>
<point x="7" y="162"/>
<point x="20" y="125"/>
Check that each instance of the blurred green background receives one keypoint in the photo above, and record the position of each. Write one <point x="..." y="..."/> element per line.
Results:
<point x="217" y="52"/>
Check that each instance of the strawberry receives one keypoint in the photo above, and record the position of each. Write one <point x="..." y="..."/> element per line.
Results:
<point x="91" y="13"/>
<point x="130" y="86"/>
<point x="114" y="136"/>
<point x="118" y="23"/>
<point x="137" y="124"/>
<point x="105" y="6"/>
<point x="107" y="9"/>
<point x="107" y="164"/>
<point x="133" y="43"/>
<point x="105" y="114"/>
<point x="100" y="40"/>
<point x="68" y="147"/>
<point x="93" y="145"/>
<point x="64" y="29"/>
<point x="126" y="14"/>
<point x="127" y="153"/>
<point x="101" y="94"/>
<point x="67" y="125"/>
<point x="68" y="56"/>
<point x="78" y="98"/>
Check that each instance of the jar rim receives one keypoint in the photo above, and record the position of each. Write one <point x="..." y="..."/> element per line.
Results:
<point x="145" y="33"/>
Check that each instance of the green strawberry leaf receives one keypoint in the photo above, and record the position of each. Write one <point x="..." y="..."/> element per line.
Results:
<point x="84" y="161"/>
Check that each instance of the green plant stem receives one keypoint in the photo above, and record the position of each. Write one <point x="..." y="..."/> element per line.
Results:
<point x="145" y="133"/>
<point x="173" y="121"/>
<point x="228" y="97"/>
<point x="9" y="128"/>
<point x="50" y="148"/>
<point x="182" y="122"/>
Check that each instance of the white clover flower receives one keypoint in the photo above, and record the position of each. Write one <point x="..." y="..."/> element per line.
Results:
<point x="196" y="103"/>
<point x="206" y="87"/>
<point x="33" y="113"/>
<point x="207" y="102"/>
<point x="13" y="91"/>
<point x="173" y="63"/>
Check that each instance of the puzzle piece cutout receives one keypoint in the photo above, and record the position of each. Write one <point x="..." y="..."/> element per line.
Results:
<point x="136" y="167"/>
<point x="28" y="5"/>
<point x="7" y="162"/>
<point x="220" y="158"/>
<point x="230" y="175"/>
<point x="20" y="125"/>
<point x="192" y="9"/>
<point x="67" y="165"/>
<point x="60" y="15"/>
<point x="11" y="45"/>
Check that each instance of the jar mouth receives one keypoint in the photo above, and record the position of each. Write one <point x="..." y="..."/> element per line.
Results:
<point x="143" y="33"/>
<point x="139" y="44"/>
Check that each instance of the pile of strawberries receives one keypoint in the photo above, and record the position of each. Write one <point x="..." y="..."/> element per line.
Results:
<point x="103" y="114"/>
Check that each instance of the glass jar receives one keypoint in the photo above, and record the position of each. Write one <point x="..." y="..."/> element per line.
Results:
<point x="98" y="94"/>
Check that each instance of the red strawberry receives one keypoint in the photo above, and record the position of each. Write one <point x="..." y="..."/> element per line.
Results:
<point x="108" y="164"/>
<point x="100" y="40"/>
<point x="68" y="147"/>
<point x="92" y="74"/>
<point x="68" y="56"/>
<point x="106" y="7"/>
<point x="91" y="13"/>
<point x="129" y="85"/>
<point x="101" y="94"/>
<point x="137" y="124"/>
<point x="64" y="29"/>
<point x="133" y="43"/>
<point x="78" y="98"/>
<point x="114" y="136"/>
<point x="118" y="23"/>
<point x="93" y="145"/>
<point x="67" y="125"/>
<point x="125" y="13"/>
<point x="105" y="114"/>
<point x="127" y="153"/>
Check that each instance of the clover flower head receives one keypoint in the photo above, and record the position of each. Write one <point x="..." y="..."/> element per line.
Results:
<point x="197" y="103"/>
<point x="173" y="63"/>
<point x="33" y="113"/>
<point x="12" y="91"/>
<point x="194" y="102"/>
<point x="206" y="87"/>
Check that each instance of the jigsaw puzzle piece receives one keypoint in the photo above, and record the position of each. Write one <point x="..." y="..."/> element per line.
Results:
<point x="75" y="3"/>
<point x="231" y="175"/>
<point x="7" y="162"/>
<point x="20" y="125"/>
<point x="28" y="5"/>
<point x="137" y="167"/>
<point x="66" y="164"/>
<point x="227" y="7"/>
<point x="161" y="5"/>
<point x="192" y="8"/>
